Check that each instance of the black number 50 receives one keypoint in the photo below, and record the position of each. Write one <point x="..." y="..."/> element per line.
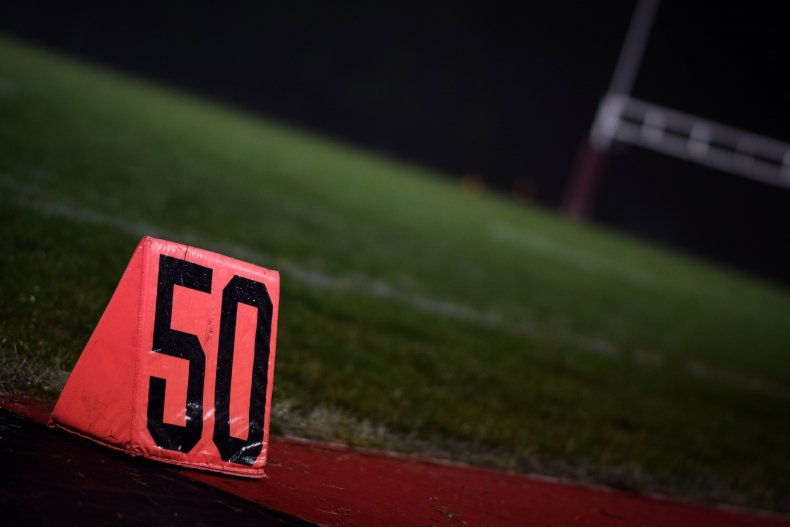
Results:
<point x="168" y="341"/>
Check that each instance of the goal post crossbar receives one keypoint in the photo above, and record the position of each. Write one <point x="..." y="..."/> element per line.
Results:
<point x="632" y="121"/>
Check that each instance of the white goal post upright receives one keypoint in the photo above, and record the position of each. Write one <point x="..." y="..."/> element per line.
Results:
<point x="589" y="166"/>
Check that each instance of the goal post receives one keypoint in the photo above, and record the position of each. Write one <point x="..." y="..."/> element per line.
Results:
<point x="628" y="120"/>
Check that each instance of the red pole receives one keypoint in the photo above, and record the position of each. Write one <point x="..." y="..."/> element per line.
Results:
<point x="588" y="170"/>
<point x="585" y="180"/>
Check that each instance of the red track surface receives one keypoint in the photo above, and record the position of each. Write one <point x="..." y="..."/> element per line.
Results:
<point x="336" y="486"/>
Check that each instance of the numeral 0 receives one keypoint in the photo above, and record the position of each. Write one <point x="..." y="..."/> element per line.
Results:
<point x="168" y="341"/>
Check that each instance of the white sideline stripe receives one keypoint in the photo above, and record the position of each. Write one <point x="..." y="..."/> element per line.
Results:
<point x="355" y="283"/>
<point x="378" y="289"/>
<point x="7" y="87"/>
<point x="534" y="243"/>
<point x="372" y="287"/>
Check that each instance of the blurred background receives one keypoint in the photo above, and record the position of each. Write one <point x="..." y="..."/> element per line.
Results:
<point x="469" y="272"/>
<point x="501" y="99"/>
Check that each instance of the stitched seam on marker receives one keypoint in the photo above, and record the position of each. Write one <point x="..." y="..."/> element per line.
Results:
<point x="272" y="360"/>
<point x="224" y="469"/>
<point x="138" y="338"/>
<point x="270" y="380"/>
<point x="237" y="471"/>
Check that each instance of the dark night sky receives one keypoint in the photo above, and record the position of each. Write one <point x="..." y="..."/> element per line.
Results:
<point x="479" y="89"/>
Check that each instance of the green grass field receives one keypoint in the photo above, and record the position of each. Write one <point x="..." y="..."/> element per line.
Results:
<point x="414" y="316"/>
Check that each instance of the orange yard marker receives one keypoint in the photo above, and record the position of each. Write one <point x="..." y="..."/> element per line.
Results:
<point x="180" y="367"/>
